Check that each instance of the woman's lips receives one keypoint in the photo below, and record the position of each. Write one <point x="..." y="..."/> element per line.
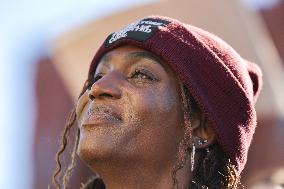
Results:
<point x="101" y="116"/>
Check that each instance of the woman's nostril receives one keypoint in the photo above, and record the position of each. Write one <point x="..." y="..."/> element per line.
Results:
<point x="91" y="96"/>
<point x="106" y="95"/>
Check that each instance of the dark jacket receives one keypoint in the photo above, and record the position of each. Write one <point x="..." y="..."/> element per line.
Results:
<point x="94" y="183"/>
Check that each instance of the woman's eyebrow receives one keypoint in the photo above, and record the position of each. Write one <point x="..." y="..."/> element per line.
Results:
<point x="106" y="60"/>
<point x="136" y="56"/>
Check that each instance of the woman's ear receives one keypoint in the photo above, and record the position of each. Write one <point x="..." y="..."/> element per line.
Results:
<point x="202" y="132"/>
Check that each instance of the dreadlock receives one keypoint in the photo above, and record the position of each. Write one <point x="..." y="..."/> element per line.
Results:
<point x="213" y="169"/>
<point x="64" y="142"/>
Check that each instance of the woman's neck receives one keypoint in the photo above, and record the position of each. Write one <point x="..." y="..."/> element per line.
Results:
<point x="142" y="175"/>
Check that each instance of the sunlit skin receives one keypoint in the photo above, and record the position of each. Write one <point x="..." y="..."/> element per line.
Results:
<point x="131" y="122"/>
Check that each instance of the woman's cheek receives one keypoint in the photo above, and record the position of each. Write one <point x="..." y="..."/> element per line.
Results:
<point x="156" y="102"/>
<point x="82" y="114"/>
<point x="82" y="105"/>
<point x="166" y="99"/>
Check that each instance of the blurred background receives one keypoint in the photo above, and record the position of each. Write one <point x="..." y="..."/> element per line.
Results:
<point x="45" y="51"/>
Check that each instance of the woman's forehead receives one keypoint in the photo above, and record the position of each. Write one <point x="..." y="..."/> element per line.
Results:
<point x="131" y="54"/>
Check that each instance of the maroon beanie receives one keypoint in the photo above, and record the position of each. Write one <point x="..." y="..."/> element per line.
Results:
<point x="224" y="85"/>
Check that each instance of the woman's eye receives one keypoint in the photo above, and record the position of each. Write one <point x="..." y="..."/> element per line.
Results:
<point x="97" y="77"/>
<point x="142" y="75"/>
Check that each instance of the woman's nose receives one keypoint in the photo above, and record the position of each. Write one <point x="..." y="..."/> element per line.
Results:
<point x="106" y="87"/>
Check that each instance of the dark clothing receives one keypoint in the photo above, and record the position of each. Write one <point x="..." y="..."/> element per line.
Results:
<point x="94" y="183"/>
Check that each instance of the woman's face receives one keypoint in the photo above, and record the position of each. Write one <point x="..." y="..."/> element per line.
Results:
<point x="132" y="111"/>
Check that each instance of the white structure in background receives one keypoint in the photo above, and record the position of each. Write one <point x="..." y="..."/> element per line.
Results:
<point x="258" y="4"/>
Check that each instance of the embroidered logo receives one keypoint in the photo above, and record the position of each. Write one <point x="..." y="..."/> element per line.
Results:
<point x="140" y="30"/>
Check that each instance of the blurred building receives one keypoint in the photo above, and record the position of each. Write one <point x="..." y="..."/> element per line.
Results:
<point x="257" y="36"/>
<point x="274" y="20"/>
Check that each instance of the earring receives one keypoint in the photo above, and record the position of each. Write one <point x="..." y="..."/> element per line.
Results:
<point x="207" y="150"/>
<point x="192" y="157"/>
<point x="199" y="141"/>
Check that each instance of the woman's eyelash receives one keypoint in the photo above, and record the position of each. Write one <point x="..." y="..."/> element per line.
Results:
<point x="142" y="74"/>
<point x="93" y="80"/>
<point x="97" y="77"/>
<point x="137" y="74"/>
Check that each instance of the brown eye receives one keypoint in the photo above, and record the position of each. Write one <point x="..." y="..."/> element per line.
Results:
<point x="97" y="77"/>
<point x="142" y="75"/>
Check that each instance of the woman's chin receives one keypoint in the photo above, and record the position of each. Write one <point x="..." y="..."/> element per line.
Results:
<point x="92" y="152"/>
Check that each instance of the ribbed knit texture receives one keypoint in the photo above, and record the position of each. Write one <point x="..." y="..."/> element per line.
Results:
<point x="225" y="85"/>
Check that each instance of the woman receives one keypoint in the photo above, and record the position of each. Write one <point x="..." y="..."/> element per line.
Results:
<point x="165" y="105"/>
